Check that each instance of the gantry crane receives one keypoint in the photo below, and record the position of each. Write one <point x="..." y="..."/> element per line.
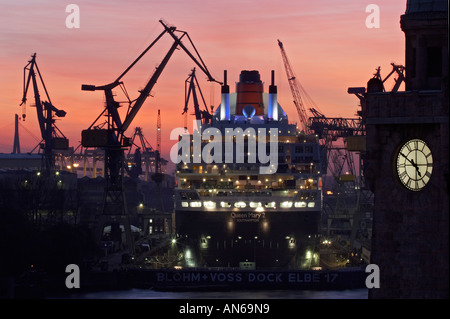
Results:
<point x="52" y="137"/>
<point x="334" y="126"/>
<point x="110" y="135"/>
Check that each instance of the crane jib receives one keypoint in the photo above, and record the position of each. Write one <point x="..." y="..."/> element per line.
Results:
<point x="114" y="122"/>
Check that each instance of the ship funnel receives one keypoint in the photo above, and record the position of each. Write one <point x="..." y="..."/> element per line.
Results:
<point x="249" y="94"/>
<point x="225" y="101"/>
<point x="272" y="111"/>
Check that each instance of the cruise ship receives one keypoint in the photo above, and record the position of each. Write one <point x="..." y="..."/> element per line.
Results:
<point x="249" y="187"/>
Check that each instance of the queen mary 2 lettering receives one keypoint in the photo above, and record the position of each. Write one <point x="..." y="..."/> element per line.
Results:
<point x="247" y="217"/>
<point x="249" y="187"/>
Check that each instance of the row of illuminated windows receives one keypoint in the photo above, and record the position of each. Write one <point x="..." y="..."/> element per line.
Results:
<point x="242" y="204"/>
<point x="246" y="148"/>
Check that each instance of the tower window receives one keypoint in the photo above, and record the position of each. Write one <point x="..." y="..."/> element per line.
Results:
<point x="434" y="61"/>
<point x="413" y="64"/>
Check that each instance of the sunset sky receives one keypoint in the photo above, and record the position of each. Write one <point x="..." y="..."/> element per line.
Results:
<point x="328" y="44"/>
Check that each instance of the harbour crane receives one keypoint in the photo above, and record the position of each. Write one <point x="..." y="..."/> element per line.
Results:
<point x="330" y="129"/>
<point x="396" y="68"/>
<point x="296" y="90"/>
<point x="327" y="131"/>
<point x="134" y="169"/>
<point x="158" y="176"/>
<point x="143" y="151"/>
<point x="52" y="137"/>
<point x="191" y="84"/>
<point x="16" y="145"/>
<point x="334" y="127"/>
<point x="110" y="135"/>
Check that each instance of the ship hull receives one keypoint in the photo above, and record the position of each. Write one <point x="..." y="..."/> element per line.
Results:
<point x="277" y="239"/>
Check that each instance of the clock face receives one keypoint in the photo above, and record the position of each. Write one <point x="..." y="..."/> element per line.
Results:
<point x="414" y="164"/>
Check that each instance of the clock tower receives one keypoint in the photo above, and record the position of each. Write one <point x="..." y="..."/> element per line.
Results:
<point x="407" y="162"/>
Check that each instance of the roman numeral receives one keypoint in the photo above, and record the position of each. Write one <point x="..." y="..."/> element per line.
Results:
<point x="423" y="146"/>
<point x="403" y="175"/>
<point x="408" y="147"/>
<point x="409" y="183"/>
<point x="421" y="182"/>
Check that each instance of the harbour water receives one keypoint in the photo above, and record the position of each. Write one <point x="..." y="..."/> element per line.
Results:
<point x="234" y="294"/>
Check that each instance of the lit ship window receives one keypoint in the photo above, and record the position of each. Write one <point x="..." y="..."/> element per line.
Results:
<point x="270" y="205"/>
<point x="196" y="204"/>
<point x="311" y="204"/>
<point x="240" y="205"/>
<point x="209" y="204"/>
<point x="300" y="204"/>
<point x="225" y="204"/>
<point x="255" y="204"/>
<point x="184" y="204"/>
<point x="286" y="204"/>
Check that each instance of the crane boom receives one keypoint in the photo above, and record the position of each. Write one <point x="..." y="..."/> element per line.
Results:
<point x="147" y="89"/>
<point x="295" y="89"/>
<point x="119" y="126"/>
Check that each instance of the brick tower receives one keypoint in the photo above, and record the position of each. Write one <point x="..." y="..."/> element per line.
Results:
<point x="407" y="162"/>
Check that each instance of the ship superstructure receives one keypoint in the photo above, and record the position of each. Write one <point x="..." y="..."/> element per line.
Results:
<point x="248" y="185"/>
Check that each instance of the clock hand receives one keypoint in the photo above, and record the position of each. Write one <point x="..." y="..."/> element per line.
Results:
<point x="406" y="158"/>
<point x="413" y="164"/>
<point x="417" y="168"/>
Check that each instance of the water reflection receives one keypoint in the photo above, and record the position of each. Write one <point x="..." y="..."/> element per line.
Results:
<point x="238" y="294"/>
